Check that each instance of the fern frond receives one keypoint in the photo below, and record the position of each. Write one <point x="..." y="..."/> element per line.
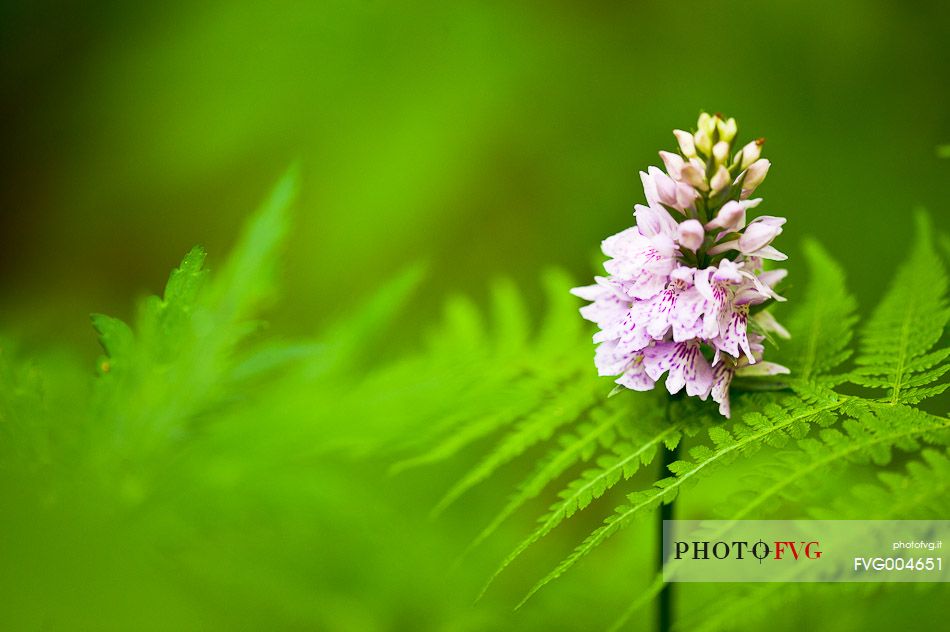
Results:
<point x="923" y="492"/>
<point x="567" y="405"/>
<point x="172" y="365"/>
<point x="823" y="323"/>
<point x="644" y="597"/>
<point x="623" y="461"/>
<point x="353" y="339"/>
<point x="897" y="342"/>
<point x="573" y="447"/>
<point x="775" y="426"/>
<point x="491" y="373"/>
<point x="512" y="323"/>
<point x="246" y="280"/>
<point x="539" y="391"/>
<point x="562" y="332"/>
<point x="470" y="409"/>
<point x="737" y="608"/>
<point x="867" y="438"/>
<point x="919" y="494"/>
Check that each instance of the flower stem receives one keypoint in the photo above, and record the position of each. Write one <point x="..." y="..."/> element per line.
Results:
<point x="664" y="604"/>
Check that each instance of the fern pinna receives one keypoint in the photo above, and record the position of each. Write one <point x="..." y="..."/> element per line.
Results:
<point x="846" y="405"/>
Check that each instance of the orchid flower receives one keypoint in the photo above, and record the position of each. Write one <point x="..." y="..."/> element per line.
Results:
<point x="686" y="280"/>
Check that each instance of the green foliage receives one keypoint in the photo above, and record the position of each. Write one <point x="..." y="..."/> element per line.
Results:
<point x="158" y="377"/>
<point x="177" y="462"/>
<point x="917" y="491"/>
<point x="896" y="352"/>
<point x="867" y="435"/>
<point x="621" y="460"/>
<point x="168" y="438"/>
<point x="920" y="493"/>
<point x="572" y="448"/>
<point x="773" y="427"/>
<point x="897" y="341"/>
<point x="824" y="323"/>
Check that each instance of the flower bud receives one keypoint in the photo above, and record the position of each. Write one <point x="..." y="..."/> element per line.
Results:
<point x="655" y="187"/>
<point x="665" y="187"/>
<point x="685" y="196"/>
<point x="674" y="164"/>
<point x="750" y="153"/>
<point x="690" y="234"/>
<point x="685" y="140"/>
<point x="706" y="124"/>
<point x="755" y="174"/>
<point x="703" y="142"/>
<point x="660" y="188"/>
<point x="760" y="233"/>
<point x="727" y="129"/>
<point x="694" y="176"/>
<point x="720" y="180"/>
<point x="731" y="217"/>
<point x="770" y="220"/>
<point x="654" y="221"/>
<point x="721" y="152"/>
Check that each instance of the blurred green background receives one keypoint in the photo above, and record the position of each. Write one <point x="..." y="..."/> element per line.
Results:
<point x="485" y="139"/>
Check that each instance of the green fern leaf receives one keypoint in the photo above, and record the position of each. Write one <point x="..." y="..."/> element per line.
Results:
<point x="623" y="462"/>
<point x="822" y="324"/>
<point x="866" y="438"/>
<point x="567" y="405"/>
<point x="510" y="319"/>
<point x="922" y="493"/>
<point x="775" y="426"/>
<point x="897" y="340"/>
<point x="491" y="375"/>
<point x="573" y="447"/>
<point x="171" y="366"/>
<point x="246" y="280"/>
<point x="562" y="332"/>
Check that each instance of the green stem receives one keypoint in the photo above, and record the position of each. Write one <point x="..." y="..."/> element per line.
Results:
<point x="664" y="604"/>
